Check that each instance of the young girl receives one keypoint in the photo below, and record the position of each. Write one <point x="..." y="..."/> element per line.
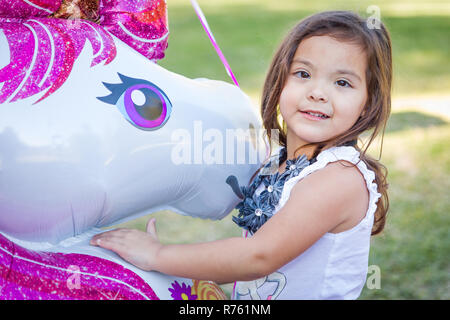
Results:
<point x="311" y="221"/>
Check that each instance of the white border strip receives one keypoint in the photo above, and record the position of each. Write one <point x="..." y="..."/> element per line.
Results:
<point x="99" y="38"/>
<point x="52" y="56"/>
<point x="36" y="6"/>
<point x="33" y="62"/>
<point x="139" y="38"/>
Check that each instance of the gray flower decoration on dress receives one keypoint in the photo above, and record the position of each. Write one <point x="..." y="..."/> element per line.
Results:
<point x="295" y="166"/>
<point x="274" y="187"/>
<point x="253" y="214"/>
<point x="254" y="210"/>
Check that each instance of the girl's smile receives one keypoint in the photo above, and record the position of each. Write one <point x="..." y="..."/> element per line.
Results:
<point x="314" y="115"/>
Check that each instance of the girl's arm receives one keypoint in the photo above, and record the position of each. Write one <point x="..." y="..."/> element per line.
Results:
<point x="223" y="260"/>
<point x="324" y="200"/>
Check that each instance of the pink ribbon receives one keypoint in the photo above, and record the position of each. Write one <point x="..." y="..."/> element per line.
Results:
<point x="208" y="31"/>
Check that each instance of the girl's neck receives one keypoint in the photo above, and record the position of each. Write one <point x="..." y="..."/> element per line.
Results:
<point x="293" y="143"/>
<point x="306" y="150"/>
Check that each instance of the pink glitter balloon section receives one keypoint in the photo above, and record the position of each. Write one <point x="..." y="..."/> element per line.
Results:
<point x="27" y="274"/>
<point x="43" y="49"/>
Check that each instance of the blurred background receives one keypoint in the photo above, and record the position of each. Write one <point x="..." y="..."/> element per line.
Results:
<point x="413" y="252"/>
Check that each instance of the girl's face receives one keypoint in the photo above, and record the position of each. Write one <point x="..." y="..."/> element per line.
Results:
<point x="325" y="91"/>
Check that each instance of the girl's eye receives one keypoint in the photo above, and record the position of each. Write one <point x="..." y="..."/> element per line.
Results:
<point x="343" y="83"/>
<point x="303" y="74"/>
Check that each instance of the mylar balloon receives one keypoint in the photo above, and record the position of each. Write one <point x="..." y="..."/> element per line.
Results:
<point x="93" y="133"/>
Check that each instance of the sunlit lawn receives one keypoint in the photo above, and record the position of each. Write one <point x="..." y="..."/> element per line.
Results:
<point x="249" y="31"/>
<point x="413" y="252"/>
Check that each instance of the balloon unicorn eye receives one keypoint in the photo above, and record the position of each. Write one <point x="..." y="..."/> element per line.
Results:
<point x="141" y="102"/>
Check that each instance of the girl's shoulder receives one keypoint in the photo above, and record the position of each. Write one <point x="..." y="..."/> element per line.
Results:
<point x="343" y="181"/>
<point x="336" y="171"/>
<point x="345" y="156"/>
<point x="347" y="153"/>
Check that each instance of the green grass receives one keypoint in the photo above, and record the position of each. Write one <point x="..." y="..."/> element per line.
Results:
<point x="249" y="31"/>
<point x="412" y="252"/>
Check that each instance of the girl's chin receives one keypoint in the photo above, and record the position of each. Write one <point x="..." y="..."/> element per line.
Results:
<point x="309" y="136"/>
<point x="302" y="139"/>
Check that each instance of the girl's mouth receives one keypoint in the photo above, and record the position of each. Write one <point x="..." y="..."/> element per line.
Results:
<point x="314" y="115"/>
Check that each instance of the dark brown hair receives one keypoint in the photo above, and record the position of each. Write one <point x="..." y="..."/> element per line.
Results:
<point x="349" y="27"/>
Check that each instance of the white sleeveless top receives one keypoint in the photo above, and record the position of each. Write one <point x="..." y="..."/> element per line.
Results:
<point x="335" y="267"/>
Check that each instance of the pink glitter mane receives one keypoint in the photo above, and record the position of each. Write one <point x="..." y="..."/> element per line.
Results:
<point x="43" y="49"/>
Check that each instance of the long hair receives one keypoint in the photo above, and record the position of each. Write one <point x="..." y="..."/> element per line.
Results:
<point x="349" y="27"/>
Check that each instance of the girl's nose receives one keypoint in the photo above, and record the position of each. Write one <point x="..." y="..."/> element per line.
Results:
<point x="317" y="95"/>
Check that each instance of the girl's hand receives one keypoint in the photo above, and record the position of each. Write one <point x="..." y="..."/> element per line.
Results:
<point x="137" y="247"/>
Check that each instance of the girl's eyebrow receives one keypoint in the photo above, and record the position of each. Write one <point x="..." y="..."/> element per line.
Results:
<point x="306" y="62"/>
<point x="339" y="71"/>
<point x="349" y="72"/>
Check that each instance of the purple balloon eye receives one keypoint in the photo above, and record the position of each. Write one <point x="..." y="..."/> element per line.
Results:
<point x="141" y="102"/>
<point x="152" y="112"/>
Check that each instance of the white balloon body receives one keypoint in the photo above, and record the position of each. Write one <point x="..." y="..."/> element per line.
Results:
<point x="71" y="162"/>
<point x="83" y="147"/>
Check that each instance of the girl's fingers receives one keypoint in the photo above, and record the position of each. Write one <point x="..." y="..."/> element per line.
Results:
<point x="112" y="233"/>
<point x="111" y="243"/>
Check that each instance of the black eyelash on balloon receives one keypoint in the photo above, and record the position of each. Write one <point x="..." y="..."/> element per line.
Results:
<point x="117" y="89"/>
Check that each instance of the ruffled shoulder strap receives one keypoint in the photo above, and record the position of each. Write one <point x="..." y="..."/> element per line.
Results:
<point x="334" y="154"/>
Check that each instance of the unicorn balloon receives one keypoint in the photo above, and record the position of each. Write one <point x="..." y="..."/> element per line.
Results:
<point x="94" y="133"/>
